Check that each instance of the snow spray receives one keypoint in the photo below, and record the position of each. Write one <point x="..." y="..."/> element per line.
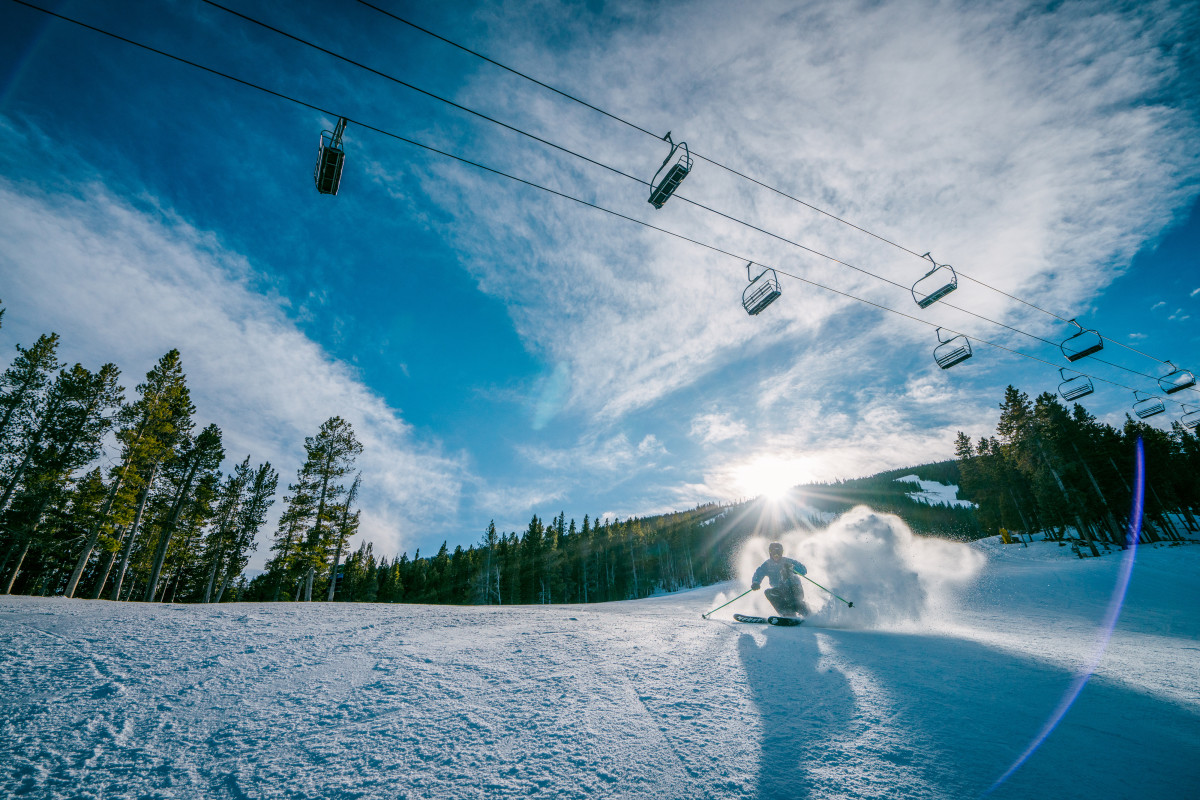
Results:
<point x="893" y="576"/>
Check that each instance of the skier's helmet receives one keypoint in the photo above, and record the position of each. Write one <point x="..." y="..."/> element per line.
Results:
<point x="775" y="549"/>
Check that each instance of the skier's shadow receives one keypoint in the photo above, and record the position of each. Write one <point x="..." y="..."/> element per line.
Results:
<point x="801" y="705"/>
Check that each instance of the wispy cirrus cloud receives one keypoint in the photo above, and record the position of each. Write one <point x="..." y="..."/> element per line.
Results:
<point x="1027" y="146"/>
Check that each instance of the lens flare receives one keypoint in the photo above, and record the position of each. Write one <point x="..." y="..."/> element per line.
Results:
<point x="1106" y="629"/>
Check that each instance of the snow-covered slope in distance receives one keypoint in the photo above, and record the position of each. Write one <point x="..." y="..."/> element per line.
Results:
<point x="935" y="493"/>
<point x="640" y="699"/>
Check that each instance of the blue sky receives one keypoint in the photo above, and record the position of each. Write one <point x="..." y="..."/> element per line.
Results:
<point x="504" y="352"/>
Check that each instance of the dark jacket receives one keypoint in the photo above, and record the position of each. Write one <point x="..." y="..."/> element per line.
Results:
<point x="774" y="570"/>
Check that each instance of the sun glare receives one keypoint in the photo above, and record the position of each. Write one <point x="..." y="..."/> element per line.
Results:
<point x="768" y="476"/>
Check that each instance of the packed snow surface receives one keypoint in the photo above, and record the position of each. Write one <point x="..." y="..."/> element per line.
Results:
<point x="951" y="661"/>
<point x="935" y="493"/>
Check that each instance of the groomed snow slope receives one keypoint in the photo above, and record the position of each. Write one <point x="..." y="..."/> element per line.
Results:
<point x="639" y="699"/>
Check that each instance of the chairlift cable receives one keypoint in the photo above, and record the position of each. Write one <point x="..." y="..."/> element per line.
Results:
<point x="739" y="258"/>
<point x="425" y="92"/>
<point x="637" y="180"/>
<point x="518" y="73"/>
<point x="731" y="170"/>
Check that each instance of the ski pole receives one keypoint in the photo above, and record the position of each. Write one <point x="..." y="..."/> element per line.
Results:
<point x="718" y="608"/>
<point x="819" y="586"/>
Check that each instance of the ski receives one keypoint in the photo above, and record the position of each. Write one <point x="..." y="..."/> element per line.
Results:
<point x="782" y="622"/>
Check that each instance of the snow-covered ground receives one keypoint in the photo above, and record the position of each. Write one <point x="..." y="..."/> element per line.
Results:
<point x="950" y="663"/>
<point x="935" y="493"/>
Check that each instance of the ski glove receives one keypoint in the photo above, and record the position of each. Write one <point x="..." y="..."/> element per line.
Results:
<point x="754" y="587"/>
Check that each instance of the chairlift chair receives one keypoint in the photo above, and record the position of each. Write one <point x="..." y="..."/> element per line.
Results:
<point x="935" y="284"/>
<point x="1190" y="419"/>
<point x="330" y="158"/>
<point x="662" y="190"/>
<point x="954" y="350"/>
<point x="762" y="290"/>
<point x="1076" y="387"/>
<point x="1147" y="406"/>
<point x="1081" y="344"/>
<point x="1176" y="380"/>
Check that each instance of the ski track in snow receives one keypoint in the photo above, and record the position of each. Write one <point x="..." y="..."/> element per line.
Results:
<point x="623" y="700"/>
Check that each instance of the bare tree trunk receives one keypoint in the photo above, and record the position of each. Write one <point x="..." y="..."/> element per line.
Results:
<point x="1084" y="532"/>
<point x="17" y="567"/>
<point x="94" y="536"/>
<point x="12" y="548"/>
<point x="212" y="577"/>
<point x="112" y="556"/>
<point x="133" y="531"/>
<point x="1114" y="527"/>
<point x="168" y="529"/>
<point x="308" y="584"/>
<point x="633" y="567"/>
<point x="337" y="556"/>
<point x="224" y="586"/>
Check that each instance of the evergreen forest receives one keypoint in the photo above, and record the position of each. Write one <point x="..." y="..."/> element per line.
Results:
<point x="117" y="495"/>
<point x="120" y="495"/>
<point x="1058" y="472"/>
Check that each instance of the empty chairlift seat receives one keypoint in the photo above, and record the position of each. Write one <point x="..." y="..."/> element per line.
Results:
<point x="1176" y="380"/>
<point x="762" y="290"/>
<point x="954" y="350"/>
<point x="935" y="284"/>
<point x="1144" y="407"/>
<point x="1075" y="387"/>
<point x="1081" y="344"/>
<point x="330" y="158"/>
<point x="661" y="190"/>
<point x="1190" y="419"/>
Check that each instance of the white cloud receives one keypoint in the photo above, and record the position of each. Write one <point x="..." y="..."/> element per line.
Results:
<point x="511" y="506"/>
<point x="1158" y="305"/>
<point x="1194" y="292"/>
<point x="119" y="284"/>
<point x="651" y="446"/>
<point x="1022" y="145"/>
<point x="596" y="455"/>
<point x="714" y="428"/>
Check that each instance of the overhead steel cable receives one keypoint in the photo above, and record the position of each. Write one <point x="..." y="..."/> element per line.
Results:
<point x="529" y="78"/>
<point x="419" y="90"/>
<point x="733" y="171"/>
<point x="617" y="171"/>
<point x="531" y="184"/>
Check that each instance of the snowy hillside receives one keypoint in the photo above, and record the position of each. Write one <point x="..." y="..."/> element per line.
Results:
<point x="935" y="493"/>
<point x="952" y="661"/>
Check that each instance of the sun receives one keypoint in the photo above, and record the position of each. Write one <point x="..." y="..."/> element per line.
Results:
<point x="769" y="476"/>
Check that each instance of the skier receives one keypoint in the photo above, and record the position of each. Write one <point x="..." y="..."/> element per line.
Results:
<point x="786" y="592"/>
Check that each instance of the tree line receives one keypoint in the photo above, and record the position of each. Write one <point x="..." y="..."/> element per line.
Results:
<point x="563" y="561"/>
<point x="555" y="561"/>
<point x="1057" y="471"/>
<point x="158" y="520"/>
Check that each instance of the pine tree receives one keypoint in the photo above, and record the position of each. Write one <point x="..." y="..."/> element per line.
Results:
<point x="151" y="429"/>
<point x="347" y="527"/>
<point x="230" y="497"/>
<point x="24" y="379"/>
<point x="196" y="459"/>
<point x="330" y="457"/>
<point x="69" y="429"/>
